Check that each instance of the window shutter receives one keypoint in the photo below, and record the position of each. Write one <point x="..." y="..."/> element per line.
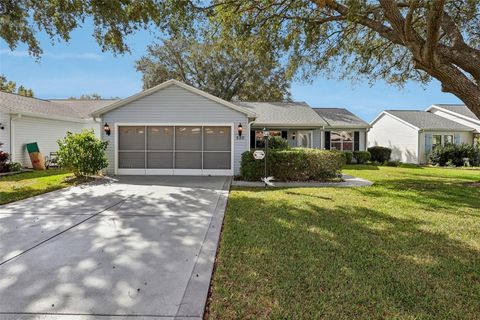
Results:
<point x="456" y="138"/>
<point x="252" y="139"/>
<point x="284" y="134"/>
<point x="428" y="143"/>
<point x="356" y="140"/>
<point x="327" y="140"/>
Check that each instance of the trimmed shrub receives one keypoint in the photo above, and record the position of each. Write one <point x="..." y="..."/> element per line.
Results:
<point x="14" y="166"/>
<point x="393" y="163"/>
<point x="454" y="155"/>
<point x="278" y="143"/>
<point x="361" y="156"/>
<point x="295" y="164"/>
<point x="83" y="153"/>
<point x="348" y="157"/>
<point x="380" y="154"/>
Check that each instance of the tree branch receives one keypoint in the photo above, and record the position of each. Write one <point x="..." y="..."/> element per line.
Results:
<point x="433" y="30"/>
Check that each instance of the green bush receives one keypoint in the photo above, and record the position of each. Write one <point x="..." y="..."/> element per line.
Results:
<point x="278" y="143"/>
<point x="348" y="157"/>
<point x="83" y="153"/>
<point x="361" y="156"/>
<point x="295" y="164"/>
<point x="454" y="155"/>
<point x="380" y="154"/>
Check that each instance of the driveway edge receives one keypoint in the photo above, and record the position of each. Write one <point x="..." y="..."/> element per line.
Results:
<point x="196" y="293"/>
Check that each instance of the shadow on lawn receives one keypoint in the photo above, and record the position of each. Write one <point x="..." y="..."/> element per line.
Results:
<point x="281" y="260"/>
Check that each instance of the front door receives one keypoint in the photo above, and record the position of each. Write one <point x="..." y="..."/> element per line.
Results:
<point x="305" y="138"/>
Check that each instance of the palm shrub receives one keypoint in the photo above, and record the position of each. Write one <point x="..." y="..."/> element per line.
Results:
<point x="83" y="153"/>
<point x="295" y="164"/>
<point x="380" y="154"/>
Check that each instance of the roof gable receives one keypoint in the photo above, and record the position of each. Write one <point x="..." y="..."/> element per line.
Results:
<point x="459" y="110"/>
<point x="423" y="120"/>
<point x="167" y="84"/>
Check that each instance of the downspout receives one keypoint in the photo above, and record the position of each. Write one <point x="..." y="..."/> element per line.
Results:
<point x="12" y="133"/>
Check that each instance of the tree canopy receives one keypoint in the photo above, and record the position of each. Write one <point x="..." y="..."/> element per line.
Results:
<point x="395" y="40"/>
<point x="11" y="87"/>
<point x="228" y="72"/>
<point x="392" y="40"/>
<point x="93" y="96"/>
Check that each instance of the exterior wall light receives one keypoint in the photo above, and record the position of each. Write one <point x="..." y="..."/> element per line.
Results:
<point x="293" y="135"/>
<point x="106" y="128"/>
<point x="240" y="129"/>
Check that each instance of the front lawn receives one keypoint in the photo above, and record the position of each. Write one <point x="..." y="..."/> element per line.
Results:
<point x="406" y="248"/>
<point x="28" y="184"/>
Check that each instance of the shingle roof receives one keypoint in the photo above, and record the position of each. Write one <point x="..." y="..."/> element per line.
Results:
<point x="76" y="109"/>
<point x="283" y="113"/>
<point x="85" y="107"/>
<point x="427" y="121"/>
<point x="458" y="108"/>
<point x="340" y="117"/>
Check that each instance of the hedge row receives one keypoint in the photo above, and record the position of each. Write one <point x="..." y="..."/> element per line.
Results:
<point x="297" y="164"/>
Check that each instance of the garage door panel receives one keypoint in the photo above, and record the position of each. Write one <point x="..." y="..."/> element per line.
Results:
<point x="160" y="160"/>
<point x="160" y="138"/>
<point x="131" y="138"/>
<point x="217" y="160"/>
<point x="188" y="138"/>
<point x="188" y="160"/>
<point x="131" y="160"/>
<point x="216" y="139"/>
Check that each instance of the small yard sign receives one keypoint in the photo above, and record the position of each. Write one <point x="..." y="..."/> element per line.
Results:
<point x="259" y="154"/>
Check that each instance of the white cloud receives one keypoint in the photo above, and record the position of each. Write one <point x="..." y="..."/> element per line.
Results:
<point x="55" y="56"/>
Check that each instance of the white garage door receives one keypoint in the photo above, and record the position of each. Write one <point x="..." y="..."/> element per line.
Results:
<point x="175" y="150"/>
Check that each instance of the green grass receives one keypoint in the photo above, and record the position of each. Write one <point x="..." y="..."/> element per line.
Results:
<point x="28" y="184"/>
<point x="406" y="248"/>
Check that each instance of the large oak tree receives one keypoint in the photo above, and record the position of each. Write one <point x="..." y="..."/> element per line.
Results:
<point x="229" y="72"/>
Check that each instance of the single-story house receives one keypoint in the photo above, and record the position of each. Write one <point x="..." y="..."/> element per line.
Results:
<point x="24" y="120"/>
<point x="176" y="129"/>
<point x="412" y="134"/>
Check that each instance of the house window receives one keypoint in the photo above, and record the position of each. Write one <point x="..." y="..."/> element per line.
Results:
<point x="447" y="139"/>
<point x="436" y="141"/>
<point x="341" y="140"/>
<point x="260" y="142"/>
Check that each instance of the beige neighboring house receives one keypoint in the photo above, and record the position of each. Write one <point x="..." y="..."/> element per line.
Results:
<point x="24" y="120"/>
<point x="412" y="134"/>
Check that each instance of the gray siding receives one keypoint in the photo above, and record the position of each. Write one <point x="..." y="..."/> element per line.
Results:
<point x="45" y="132"/>
<point x="175" y="105"/>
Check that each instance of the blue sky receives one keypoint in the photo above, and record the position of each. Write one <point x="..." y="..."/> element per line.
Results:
<point x="80" y="67"/>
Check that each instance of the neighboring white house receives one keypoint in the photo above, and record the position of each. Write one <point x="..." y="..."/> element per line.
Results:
<point x="175" y="129"/>
<point x="412" y="134"/>
<point x="24" y="120"/>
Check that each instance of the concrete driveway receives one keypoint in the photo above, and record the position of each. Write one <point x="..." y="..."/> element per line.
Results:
<point x="131" y="246"/>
